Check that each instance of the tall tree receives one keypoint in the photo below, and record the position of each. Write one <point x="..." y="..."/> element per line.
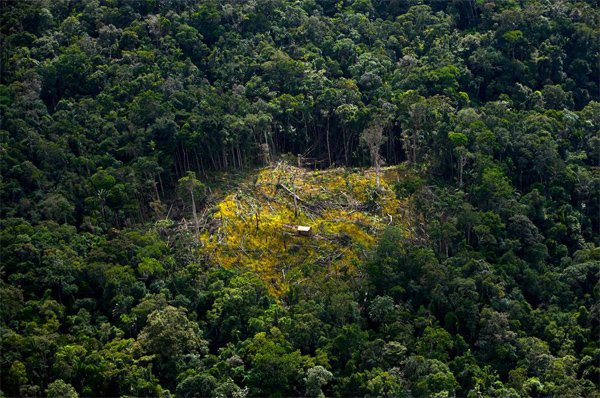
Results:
<point x="191" y="186"/>
<point x="372" y="138"/>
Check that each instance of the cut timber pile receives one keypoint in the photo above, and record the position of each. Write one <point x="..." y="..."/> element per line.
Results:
<point x="290" y="223"/>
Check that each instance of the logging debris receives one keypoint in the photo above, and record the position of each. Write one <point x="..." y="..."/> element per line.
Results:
<point x="288" y="223"/>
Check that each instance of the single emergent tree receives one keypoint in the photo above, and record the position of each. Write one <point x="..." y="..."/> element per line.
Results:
<point x="316" y="377"/>
<point x="372" y="138"/>
<point x="60" y="389"/>
<point x="192" y="186"/>
<point x="460" y="141"/>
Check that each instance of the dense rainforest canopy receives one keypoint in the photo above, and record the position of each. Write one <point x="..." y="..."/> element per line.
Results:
<point x="121" y="117"/>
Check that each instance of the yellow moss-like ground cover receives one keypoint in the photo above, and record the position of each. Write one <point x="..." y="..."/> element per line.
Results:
<point x="254" y="226"/>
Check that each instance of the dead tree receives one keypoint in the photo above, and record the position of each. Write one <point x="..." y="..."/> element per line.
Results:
<point x="373" y="139"/>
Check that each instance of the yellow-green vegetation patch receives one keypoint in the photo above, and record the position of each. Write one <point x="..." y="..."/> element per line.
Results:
<point x="257" y="225"/>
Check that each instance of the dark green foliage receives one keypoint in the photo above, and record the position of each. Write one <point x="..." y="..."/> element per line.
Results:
<point x="115" y="114"/>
